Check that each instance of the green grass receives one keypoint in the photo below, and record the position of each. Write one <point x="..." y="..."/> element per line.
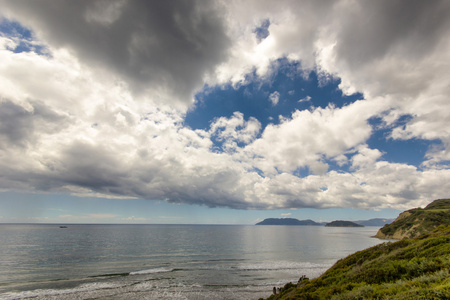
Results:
<point x="420" y="221"/>
<point x="408" y="269"/>
<point x="439" y="204"/>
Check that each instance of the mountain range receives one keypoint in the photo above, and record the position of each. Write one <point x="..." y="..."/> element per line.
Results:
<point x="295" y="222"/>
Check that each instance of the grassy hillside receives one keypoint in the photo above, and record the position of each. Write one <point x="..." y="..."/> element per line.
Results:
<point x="408" y="269"/>
<point x="418" y="221"/>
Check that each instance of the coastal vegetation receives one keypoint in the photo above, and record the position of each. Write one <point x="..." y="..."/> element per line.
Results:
<point x="418" y="221"/>
<point x="412" y="268"/>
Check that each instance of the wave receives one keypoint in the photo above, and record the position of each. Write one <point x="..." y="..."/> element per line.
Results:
<point x="226" y="260"/>
<point x="140" y="272"/>
<point x="282" y="265"/>
<point x="109" y="275"/>
<point x="152" y="271"/>
<point x="44" y="293"/>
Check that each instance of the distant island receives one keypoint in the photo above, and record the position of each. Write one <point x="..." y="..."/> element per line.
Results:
<point x="375" y="222"/>
<point x="340" y="223"/>
<point x="288" y="221"/>
<point x="295" y="222"/>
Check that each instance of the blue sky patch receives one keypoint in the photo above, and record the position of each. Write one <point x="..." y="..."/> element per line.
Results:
<point x="262" y="31"/>
<point x="22" y="35"/>
<point x="253" y="99"/>
<point x="411" y="151"/>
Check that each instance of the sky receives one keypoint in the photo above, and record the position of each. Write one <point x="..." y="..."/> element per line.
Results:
<point x="222" y="112"/>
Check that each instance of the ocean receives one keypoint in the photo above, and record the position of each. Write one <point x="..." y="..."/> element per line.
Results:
<point x="44" y="261"/>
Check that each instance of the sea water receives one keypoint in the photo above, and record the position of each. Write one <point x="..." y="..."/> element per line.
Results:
<point x="44" y="261"/>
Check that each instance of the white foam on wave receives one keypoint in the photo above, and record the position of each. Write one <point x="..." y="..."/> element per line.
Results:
<point x="152" y="271"/>
<point x="282" y="265"/>
<point x="296" y="269"/>
<point x="42" y="293"/>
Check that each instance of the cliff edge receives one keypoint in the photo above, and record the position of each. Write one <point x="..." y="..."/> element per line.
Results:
<point x="418" y="221"/>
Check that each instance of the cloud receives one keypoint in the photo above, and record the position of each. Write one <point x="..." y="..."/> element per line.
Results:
<point x="329" y="132"/>
<point x="306" y="99"/>
<point x="162" y="48"/>
<point x="365" y="157"/>
<point x="235" y="130"/>
<point x="395" y="56"/>
<point x="103" y="113"/>
<point x="17" y="124"/>
<point x="274" y="98"/>
<point x="101" y="216"/>
<point x="136" y="219"/>
<point x="286" y="215"/>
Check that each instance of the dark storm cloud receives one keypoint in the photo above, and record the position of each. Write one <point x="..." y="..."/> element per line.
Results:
<point x="162" y="45"/>
<point x="18" y="126"/>
<point x="90" y="166"/>
<point x="377" y="28"/>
